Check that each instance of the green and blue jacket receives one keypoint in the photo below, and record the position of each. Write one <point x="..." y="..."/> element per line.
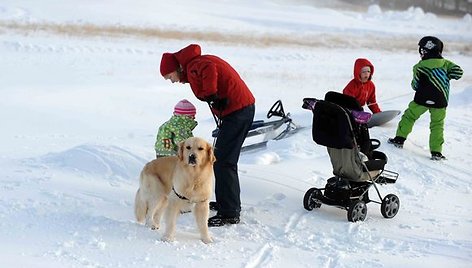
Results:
<point x="431" y="81"/>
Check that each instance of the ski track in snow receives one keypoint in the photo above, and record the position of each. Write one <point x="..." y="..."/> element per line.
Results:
<point x="264" y="256"/>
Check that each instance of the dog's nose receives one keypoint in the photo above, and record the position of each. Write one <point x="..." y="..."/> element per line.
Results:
<point x="192" y="159"/>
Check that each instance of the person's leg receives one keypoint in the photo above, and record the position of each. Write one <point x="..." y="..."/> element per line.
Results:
<point x="436" y="137"/>
<point x="231" y="136"/>
<point x="409" y="117"/>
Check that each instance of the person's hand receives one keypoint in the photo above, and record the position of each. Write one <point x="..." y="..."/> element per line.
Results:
<point x="217" y="103"/>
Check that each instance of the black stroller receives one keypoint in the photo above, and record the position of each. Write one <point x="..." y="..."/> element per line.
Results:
<point x="337" y="124"/>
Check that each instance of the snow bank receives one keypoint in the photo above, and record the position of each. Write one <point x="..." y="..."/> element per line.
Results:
<point x="95" y="160"/>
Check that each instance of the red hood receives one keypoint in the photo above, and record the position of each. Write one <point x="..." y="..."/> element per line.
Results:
<point x="186" y="55"/>
<point x="358" y="66"/>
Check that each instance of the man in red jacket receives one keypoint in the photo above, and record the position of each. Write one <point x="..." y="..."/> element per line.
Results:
<point x="361" y="86"/>
<point x="214" y="81"/>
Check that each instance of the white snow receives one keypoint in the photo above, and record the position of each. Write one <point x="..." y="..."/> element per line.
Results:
<point x="82" y="99"/>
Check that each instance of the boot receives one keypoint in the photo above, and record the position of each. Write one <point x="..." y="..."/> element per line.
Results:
<point x="220" y="220"/>
<point x="437" y="156"/>
<point x="397" y="141"/>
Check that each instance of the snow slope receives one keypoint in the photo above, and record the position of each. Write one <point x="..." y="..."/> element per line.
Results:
<point x="82" y="100"/>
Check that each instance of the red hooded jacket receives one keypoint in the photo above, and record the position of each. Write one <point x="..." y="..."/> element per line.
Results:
<point x="209" y="75"/>
<point x="364" y="93"/>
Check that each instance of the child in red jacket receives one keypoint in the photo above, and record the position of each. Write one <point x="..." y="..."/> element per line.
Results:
<point x="361" y="86"/>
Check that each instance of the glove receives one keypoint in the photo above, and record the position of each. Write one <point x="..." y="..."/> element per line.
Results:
<point x="219" y="104"/>
<point x="210" y="98"/>
<point x="216" y="103"/>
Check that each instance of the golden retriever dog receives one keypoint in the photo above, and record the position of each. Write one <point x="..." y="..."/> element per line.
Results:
<point x="173" y="183"/>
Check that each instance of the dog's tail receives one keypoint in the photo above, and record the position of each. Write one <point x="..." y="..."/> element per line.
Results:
<point x="140" y="207"/>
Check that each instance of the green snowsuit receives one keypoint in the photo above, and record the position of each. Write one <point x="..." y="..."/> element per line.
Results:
<point x="178" y="128"/>
<point x="431" y="83"/>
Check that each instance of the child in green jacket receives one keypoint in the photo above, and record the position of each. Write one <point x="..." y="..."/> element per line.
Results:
<point x="431" y="77"/>
<point x="178" y="128"/>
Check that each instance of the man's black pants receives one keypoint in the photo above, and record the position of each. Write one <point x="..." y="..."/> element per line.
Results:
<point x="232" y="133"/>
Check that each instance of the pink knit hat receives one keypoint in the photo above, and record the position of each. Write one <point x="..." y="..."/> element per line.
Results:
<point x="185" y="107"/>
<point x="169" y="64"/>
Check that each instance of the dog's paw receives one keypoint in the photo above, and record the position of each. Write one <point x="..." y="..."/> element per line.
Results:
<point x="207" y="240"/>
<point x="153" y="226"/>
<point x="167" y="238"/>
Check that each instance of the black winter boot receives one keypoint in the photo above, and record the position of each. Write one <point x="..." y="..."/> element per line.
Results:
<point x="397" y="141"/>
<point x="220" y="220"/>
<point x="437" y="156"/>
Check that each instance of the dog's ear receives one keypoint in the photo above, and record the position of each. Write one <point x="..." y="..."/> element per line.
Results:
<point x="180" y="153"/>
<point x="211" y="155"/>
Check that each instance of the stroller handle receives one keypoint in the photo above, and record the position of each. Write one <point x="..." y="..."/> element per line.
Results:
<point x="309" y="103"/>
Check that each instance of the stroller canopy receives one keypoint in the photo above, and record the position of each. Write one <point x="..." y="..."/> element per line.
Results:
<point x="332" y="121"/>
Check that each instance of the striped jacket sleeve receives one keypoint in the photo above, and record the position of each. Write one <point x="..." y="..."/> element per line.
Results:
<point x="414" y="81"/>
<point x="454" y="71"/>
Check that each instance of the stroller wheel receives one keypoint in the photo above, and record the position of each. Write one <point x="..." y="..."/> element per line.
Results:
<point x="312" y="199"/>
<point x="357" y="211"/>
<point x="390" y="206"/>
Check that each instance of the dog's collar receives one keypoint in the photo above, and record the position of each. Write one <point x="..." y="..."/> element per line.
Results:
<point x="178" y="195"/>
<point x="185" y="198"/>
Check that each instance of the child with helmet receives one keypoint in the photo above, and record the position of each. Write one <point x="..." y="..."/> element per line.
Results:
<point x="431" y="76"/>
<point x="178" y="128"/>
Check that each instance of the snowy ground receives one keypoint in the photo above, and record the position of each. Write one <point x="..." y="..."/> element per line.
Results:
<point x="82" y="100"/>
